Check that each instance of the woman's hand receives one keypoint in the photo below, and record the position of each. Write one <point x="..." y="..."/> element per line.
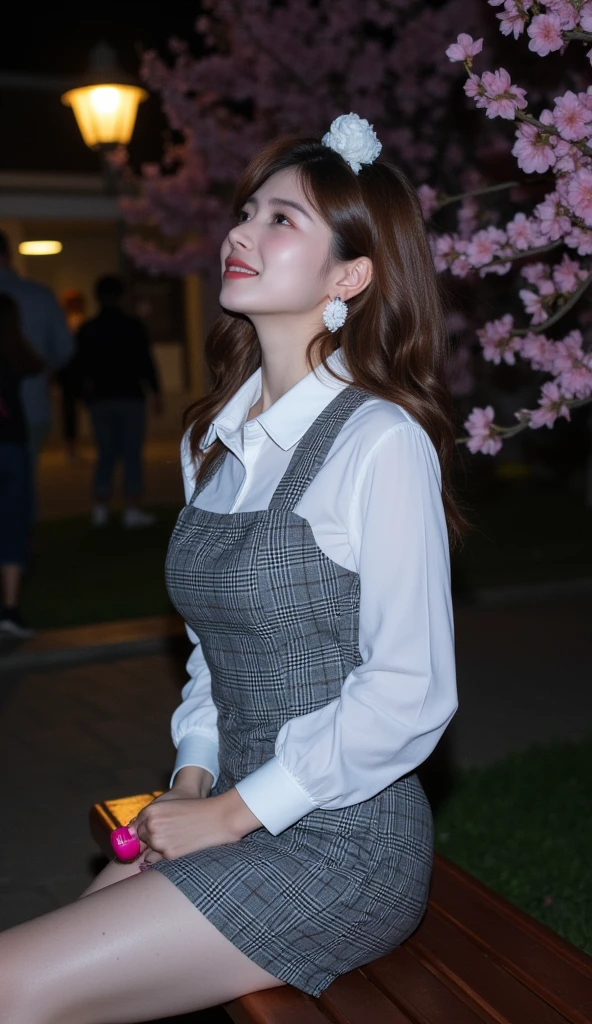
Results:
<point x="190" y="782"/>
<point x="178" y="825"/>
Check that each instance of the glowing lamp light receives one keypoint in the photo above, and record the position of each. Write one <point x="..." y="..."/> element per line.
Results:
<point x="105" y="114"/>
<point x="40" y="248"/>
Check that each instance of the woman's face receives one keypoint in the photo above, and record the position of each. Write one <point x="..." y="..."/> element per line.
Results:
<point x="273" y="258"/>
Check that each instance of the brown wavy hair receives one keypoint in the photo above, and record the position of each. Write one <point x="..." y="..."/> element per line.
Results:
<point x="394" y="339"/>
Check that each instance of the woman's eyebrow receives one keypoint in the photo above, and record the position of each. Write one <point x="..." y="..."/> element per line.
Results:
<point x="282" y="202"/>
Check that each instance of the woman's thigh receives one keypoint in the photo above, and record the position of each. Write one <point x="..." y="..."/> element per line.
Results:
<point x="114" y="872"/>
<point x="130" y="952"/>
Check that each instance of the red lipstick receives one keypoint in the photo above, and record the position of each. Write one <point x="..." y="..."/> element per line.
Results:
<point x="232" y="262"/>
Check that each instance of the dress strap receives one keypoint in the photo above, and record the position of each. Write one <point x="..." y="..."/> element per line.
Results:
<point x="314" y="447"/>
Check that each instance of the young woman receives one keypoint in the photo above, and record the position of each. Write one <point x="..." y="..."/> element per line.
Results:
<point x="311" y="567"/>
<point x="17" y="361"/>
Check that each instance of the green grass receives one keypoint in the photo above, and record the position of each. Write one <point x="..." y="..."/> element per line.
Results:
<point x="524" y="828"/>
<point x="80" y="575"/>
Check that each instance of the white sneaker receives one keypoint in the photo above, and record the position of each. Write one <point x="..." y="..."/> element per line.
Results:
<point x="99" y="515"/>
<point x="136" y="517"/>
<point x="11" y="623"/>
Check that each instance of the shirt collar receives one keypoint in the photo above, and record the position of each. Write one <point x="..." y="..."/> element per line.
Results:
<point x="288" y="419"/>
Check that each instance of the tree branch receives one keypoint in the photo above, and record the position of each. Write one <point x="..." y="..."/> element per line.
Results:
<point x="550" y="129"/>
<point x="578" y="34"/>
<point x="550" y="321"/>
<point x="538" y="180"/>
<point x="506" y="432"/>
<point x="476" y="192"/>
<point x="522" y="254"/>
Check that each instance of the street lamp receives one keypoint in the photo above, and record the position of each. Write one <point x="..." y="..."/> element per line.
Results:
<point x="106" y="107"/>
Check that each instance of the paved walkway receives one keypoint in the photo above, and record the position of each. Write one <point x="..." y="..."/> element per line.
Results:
<point x="74" y="730"/>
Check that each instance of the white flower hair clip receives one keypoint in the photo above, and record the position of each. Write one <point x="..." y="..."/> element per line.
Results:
<point x="354" y="139"/>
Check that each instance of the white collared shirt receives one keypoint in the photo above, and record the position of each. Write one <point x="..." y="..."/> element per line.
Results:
<point x="374" y="507"/>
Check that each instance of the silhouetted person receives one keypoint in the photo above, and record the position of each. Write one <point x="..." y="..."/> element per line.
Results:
<point x="44" y="326"/>
<point x="117" y="371"/>
<point x="18" y="360"/>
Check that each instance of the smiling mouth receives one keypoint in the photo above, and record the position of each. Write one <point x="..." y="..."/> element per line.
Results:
<point x="232" y="270"/>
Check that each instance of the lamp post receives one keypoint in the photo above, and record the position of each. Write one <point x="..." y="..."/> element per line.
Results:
<point x="105" y="107"/>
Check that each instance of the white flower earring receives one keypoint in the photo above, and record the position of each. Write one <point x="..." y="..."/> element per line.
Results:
<point x="334" y="314"/>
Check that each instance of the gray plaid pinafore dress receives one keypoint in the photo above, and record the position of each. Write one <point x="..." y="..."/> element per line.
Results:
<point x="278" y="624"/>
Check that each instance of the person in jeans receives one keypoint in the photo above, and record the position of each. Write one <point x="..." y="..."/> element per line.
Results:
<point x="116" y="371"/>
<point x="17" y="361"/>
<point x="45" y="328"/>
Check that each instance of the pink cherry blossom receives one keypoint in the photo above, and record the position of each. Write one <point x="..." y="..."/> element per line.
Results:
<point x="428" y="199"/>
<point x="579" y="239"/>
<point x="513" y="18"/>
<point x="498" y="342"/>
<point x="571" y="117"/>
<point x="467" y="217"/>
<point x="482" y="434"/>
<point x="533" y="149"/>
<point x="579" y="195"/>
<point x="553" y="221"/>
<point x="461" y="267"/>
<point x="485" y="245"/>
<point x="586" y="17"/>
<point x="474" y="89"/>
<point x="502" y="99"/>
<point x="573" y="367"/>
<point x="552" y="404"/>
<point x="464" y="48"/>
<point x="519" y="231"/>
<point x="567" y="275"/>
<point x="545" y="34"/>
<point x="536" y="273"/>
<point x="539" y="351"/>
<point x="443" y="250"/>
<point x="533" y="304"/>
<point x="565" y="11"/>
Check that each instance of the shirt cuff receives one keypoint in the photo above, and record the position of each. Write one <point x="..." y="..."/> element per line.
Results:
<point x="197" y="751"/>
<point x="274" y="797"/>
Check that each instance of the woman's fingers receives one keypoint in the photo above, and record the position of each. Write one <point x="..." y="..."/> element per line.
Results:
<point x="152" y="857"/>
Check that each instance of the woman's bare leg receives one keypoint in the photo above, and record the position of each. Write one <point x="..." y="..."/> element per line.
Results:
<point x="130" y="952"/>
<point x="114" y="871"/>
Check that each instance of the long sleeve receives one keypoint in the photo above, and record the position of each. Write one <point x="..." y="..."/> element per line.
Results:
<point x="394" y="707"/>
<point x="194" y="723"/>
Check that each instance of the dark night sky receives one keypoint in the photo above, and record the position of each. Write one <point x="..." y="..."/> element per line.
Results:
<point x="59" y="43"/>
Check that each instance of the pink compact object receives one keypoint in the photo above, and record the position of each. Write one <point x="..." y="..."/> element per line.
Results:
<point x="125" y="845"/>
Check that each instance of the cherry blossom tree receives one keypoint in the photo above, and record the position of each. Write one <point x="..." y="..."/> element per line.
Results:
<point x="555" y="143"/>
<point x="262" y="68"/>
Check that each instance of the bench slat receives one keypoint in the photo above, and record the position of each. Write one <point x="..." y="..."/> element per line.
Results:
<point x="284" y="1005"/>
<point x="557" y="971"/>
<point x="425" y="997"/>
<point x="353" y="998"/>
<point x="454" y="957"/>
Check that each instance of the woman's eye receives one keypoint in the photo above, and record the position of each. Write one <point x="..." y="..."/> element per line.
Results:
<point x="281" y="218"/>
<point x="242" y="216"/>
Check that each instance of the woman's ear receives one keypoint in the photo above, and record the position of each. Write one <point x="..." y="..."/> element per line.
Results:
<point x="352" y="279"/>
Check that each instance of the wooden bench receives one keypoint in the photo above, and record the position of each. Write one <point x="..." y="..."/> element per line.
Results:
<point x="475" y="957"/>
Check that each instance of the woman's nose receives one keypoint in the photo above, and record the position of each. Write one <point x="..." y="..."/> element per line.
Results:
<point x="240" y="237"/>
